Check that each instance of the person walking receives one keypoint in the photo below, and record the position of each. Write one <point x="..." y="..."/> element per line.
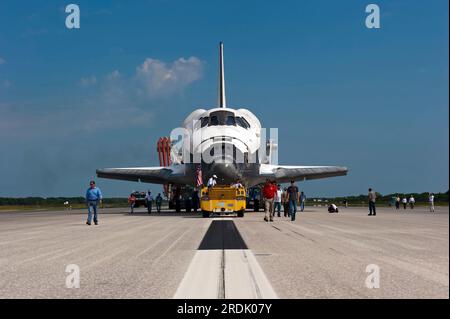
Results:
<point x="372" y="197"/>
<point x="302" y="201"/>
<point x="132" y="202"/>
<point x="93" y="198"/>
<point x="293" y="198"/>
<point x="277" y="201"/>
<point x="178" y="203"/>
<point x="269" y="192"/>
<point x="195" y="199"/>
<point x="285" y="203"/>
<point x="149" y="200"/>
<point x="431" y="202"/>
<point x="255" y="197"/>
<point x="397" y="202"/>
<point x="404" y="202"/>
<point x="158" y="202"/>
<point x="411" y="201"/>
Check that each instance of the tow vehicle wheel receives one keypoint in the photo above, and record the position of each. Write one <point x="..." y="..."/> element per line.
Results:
<point x="205" y="214"/>
<point x="240" y="214"/>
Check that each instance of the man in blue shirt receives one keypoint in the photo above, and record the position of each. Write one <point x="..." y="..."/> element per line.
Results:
<point x="93" y="198"/>
<point x="302" y="201"/>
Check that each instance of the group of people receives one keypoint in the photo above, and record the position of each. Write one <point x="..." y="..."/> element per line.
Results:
<point x="411" y="202"/>
<point x="148" y="202"/>
<point x="275" y="198"/>
<point x="404" y="201"/>
<point x="191" y="201"/>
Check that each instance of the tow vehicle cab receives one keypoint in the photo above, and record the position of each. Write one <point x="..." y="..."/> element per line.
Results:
<point x="223" y="199"/>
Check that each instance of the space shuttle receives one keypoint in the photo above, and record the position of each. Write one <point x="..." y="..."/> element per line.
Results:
<point x="227" y="142"/>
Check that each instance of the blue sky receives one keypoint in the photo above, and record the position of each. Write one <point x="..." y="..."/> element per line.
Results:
<point x="375" y="101"/>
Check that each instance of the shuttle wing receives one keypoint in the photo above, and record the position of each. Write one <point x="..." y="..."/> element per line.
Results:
<point x="284" y="173"/>
<point x="156" y="175"/>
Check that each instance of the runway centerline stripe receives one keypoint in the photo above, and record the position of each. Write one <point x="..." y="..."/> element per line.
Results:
<point x="223" y="235"/>
<point x="224" y="268"/>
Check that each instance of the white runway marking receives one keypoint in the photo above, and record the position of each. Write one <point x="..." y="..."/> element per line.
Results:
<point x="202" y="279"/>
<point x="231" y="273"/>
<point x="244" y="278"/>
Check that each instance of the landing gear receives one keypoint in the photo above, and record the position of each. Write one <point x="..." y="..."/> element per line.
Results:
<point x="240" y="213"/>
<point x="205" y="214"/>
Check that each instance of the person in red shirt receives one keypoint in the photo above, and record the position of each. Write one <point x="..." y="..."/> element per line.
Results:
<point x="132" y="202"/>
<point x="269" y="192"/>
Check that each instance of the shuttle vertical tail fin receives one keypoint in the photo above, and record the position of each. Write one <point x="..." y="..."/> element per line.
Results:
<point x="221" y="96"/>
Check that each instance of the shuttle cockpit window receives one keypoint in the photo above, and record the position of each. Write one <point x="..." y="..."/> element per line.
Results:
<point x="246" y="123"/>
<point x="204" y="121"/>
<point x="224" y="118"/>
<point x="231" y="121"/>
<point x="214" y="121"/>
<point x="241" y="122"/>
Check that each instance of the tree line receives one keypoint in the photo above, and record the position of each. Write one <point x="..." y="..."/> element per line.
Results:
<point x="54" y="201"/>
<point x="59" y="201"/>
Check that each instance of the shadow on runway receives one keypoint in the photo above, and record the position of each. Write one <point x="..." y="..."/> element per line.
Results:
<point x="222" y="234"/>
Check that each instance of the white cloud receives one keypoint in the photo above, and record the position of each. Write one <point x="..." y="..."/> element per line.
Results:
<point x="157" y="78"/>
<point x="114" y="102"/>
<point x="114" y="75"/>
<point x="88" y="81"/>
<point x="2" y="61"/>
<point x="152" y="78"/>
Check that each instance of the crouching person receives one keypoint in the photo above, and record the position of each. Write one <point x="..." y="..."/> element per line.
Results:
<point x="333" y="209"/>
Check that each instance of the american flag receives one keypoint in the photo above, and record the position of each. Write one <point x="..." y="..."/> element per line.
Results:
<point x="199" y="176"/>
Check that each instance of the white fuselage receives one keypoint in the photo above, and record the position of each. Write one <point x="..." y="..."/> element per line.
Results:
<point x="222" y="135"/>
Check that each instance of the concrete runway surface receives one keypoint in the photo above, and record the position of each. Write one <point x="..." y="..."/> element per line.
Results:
<point x="170" y="255"/>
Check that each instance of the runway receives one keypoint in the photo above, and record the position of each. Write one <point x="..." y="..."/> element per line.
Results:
<point x="171" y="255"/>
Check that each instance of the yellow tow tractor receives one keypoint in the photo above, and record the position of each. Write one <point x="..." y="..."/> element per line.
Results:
<point x="223" y="199"/>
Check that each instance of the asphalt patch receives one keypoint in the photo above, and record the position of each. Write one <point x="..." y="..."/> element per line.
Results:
<point x="222" y="234"/>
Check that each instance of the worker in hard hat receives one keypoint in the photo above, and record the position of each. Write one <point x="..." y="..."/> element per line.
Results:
<point x="212" y="181"/>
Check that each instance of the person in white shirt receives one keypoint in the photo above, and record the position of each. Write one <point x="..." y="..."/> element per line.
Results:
<point x="212" y="181"/>
<point x="149" y="200"/>
<point x="431" y="201"/>
<point x="404" y="202"/>
<point x="372" y="196"/>
<point x="412" y="201"/>
<point x="237" y="184"/>
<point x="277" y="201"/>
